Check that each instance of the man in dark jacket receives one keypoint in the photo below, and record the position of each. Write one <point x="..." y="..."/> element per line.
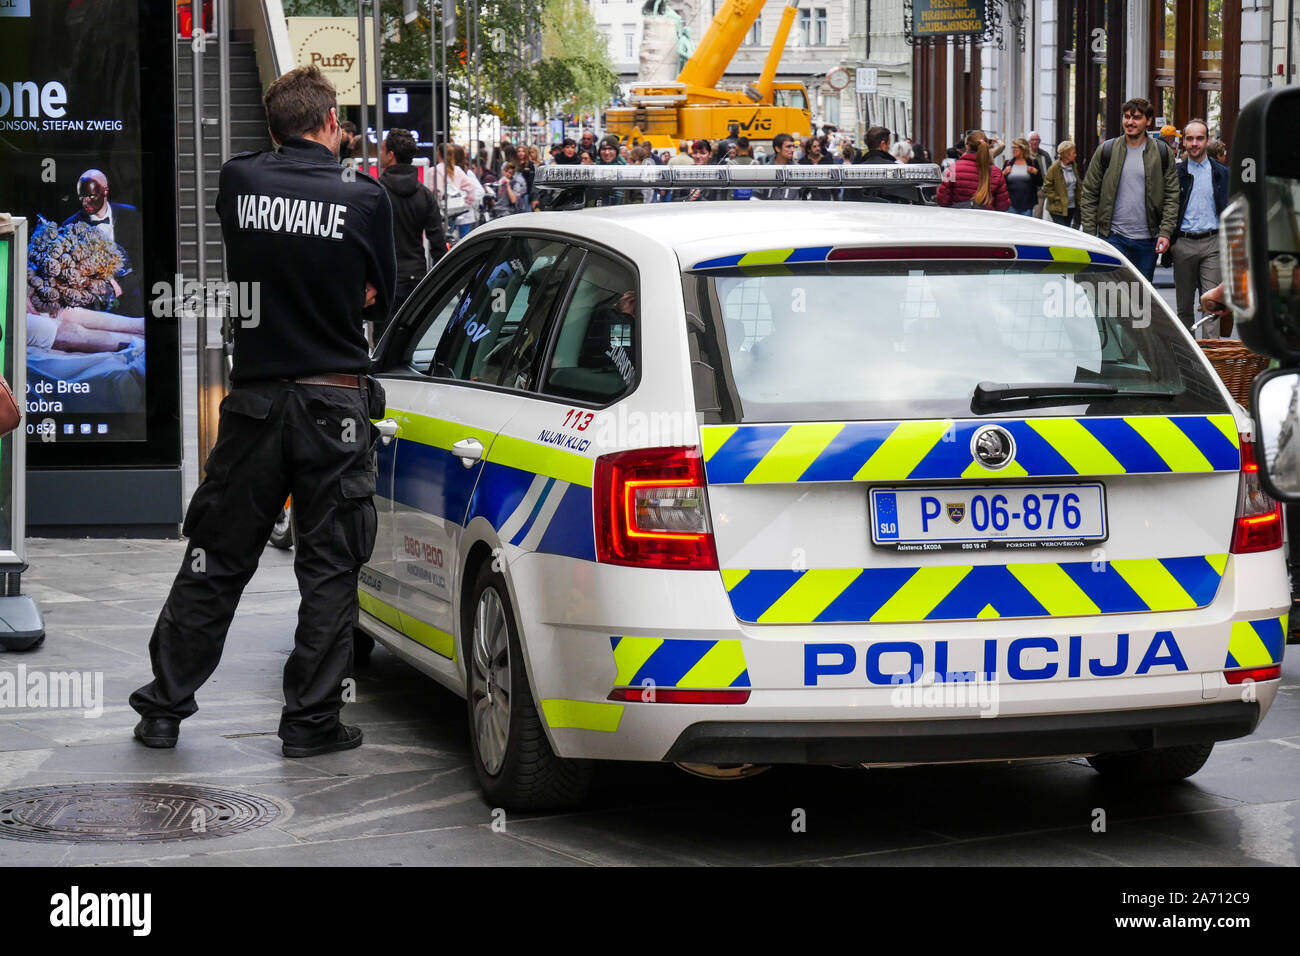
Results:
<point x="877" y="154"/>
<point x="1202" y="194"/>
<point x="317" y="246"/>
<point x="814" y="154"/>
<point x="415" y="214"/>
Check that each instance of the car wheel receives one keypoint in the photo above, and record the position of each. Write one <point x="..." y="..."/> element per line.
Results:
<point x="1167" y="763"/>
<point x="515" y="764"/>
<point x="283" y="533"/>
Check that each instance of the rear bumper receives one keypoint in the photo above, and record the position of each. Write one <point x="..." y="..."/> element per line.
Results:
<point x="943" y="741"/>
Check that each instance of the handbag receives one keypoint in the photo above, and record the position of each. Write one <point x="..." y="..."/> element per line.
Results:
<point x="11" y="414"/>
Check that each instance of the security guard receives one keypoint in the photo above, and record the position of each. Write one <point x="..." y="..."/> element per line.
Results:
<point x="314" y="241"/>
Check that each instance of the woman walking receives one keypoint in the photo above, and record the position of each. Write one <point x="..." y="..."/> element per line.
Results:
<point x="526" y="164"/>
<point x="1061" y="186"/>
<point x="972" y="181"/>
<point x="1023" y="179"/>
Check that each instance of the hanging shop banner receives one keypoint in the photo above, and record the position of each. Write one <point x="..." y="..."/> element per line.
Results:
<point x="940" y="18"/>
<point x="331" y="44"/>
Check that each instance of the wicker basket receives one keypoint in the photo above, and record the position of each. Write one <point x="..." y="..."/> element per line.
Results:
<point x="1236" y="365"/>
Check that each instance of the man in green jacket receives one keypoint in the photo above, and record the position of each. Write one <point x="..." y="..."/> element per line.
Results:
<point x="1130" y="192"/>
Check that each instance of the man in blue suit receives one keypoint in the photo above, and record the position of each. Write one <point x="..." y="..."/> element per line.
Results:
<point x="1202" y="194"/>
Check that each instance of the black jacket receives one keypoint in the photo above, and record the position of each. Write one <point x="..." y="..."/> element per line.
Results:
<point x="892" y="194"/>
<point x="1219" y="176"/>
<point x="415" y="214"/>
<point x="822" y="194"/>
<point x="310" y="235"/>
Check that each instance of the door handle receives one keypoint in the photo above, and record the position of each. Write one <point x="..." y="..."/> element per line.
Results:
<point x="387" y="430"/>
<point x="468" y="450"/>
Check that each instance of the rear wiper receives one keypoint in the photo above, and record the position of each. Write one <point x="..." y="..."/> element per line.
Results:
<point x="992" y="393"/>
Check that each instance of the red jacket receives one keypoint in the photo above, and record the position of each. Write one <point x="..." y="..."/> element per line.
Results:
<point x="962" y="180"/>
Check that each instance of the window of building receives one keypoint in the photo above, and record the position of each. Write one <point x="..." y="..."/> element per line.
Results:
<point x="819" y="27"/>
<point x="831" y="109"/>
<point x="755" y="35"/>
<point x="1090" y="81"/>
<point x="1195" y="45"/>
<point x="805" y="27"/>
<point x="629" y="38"/>
<point x="1166" y="37"/>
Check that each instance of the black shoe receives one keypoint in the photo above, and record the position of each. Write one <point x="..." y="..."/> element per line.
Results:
<point x="159" y="732"/>
<point x="347" y="739"/>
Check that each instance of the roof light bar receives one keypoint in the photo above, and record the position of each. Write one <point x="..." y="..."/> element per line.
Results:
<point x="731" y="177"/>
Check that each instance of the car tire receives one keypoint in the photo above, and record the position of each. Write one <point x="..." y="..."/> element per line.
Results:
<point x="363" y="645"/>
<point x="1150" y="766"/>
<point x="516" y="766"/>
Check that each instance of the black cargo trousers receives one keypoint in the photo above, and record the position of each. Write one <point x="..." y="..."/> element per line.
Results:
<point x="274" y="438"/>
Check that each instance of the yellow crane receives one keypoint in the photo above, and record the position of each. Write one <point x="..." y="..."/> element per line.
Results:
<point x="695" y="107"/>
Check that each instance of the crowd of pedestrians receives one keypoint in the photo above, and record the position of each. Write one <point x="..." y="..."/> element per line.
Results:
<point x="1150" y="193"/>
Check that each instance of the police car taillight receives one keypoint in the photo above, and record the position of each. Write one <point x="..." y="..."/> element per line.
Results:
<point x="650" y="510"/>
<point x="668" y="695"/>
<point x="1258" y="525"/>
<point x="1271" y="672"/>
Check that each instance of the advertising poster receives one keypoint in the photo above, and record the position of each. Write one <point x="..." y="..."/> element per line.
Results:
<point x="70" y="162"/>
<point x="7" y="255"/>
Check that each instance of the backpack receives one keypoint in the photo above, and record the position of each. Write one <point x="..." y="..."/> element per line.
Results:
<point x="1108" y="147"/>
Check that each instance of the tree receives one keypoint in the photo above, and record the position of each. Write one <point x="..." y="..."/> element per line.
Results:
<point x="570" y="37"/>
<point x="572" y="71"/>
<point x="548" y="85"/>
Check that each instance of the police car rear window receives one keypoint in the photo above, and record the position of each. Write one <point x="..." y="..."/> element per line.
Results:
<point x="896" y="340"/>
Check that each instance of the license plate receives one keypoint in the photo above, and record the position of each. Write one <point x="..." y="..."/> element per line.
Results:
<point x="978" y="516"/>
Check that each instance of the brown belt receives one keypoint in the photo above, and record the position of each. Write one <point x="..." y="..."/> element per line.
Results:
<point x="331" y="378"/>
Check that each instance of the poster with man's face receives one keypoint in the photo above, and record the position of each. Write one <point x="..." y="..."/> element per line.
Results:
<point x="70" y="140"/>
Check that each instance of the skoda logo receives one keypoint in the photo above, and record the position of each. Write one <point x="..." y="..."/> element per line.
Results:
<point x="993" y="447"/>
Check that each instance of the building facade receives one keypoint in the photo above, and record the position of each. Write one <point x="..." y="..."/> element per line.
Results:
<point x="826" y="34"/>
<point x="1060" y="67"/>
<point x="877" y="42"/>
<point x="1064" y="67"/>
<point x="620" y="23"/>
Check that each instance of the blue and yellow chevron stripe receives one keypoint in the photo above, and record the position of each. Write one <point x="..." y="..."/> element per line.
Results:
<point x="556" y="484"/>
<point x="972" y="592"/>
<point x="1256" y="643"/>
<point x="668" y="662"/>
<point x="775" y="257"/>
<point x="913" y="450"/>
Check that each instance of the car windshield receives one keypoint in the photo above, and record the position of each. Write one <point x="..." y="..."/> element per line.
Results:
<point x="896" y="340"/>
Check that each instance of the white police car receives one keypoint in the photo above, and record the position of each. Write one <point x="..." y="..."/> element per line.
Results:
<point x="734" y="484"/>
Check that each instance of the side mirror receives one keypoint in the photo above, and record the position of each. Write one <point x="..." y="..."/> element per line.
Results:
<point x="1259" y="243"/>
<point x="1259" y="231"/>
<point x="1275" y="398"/>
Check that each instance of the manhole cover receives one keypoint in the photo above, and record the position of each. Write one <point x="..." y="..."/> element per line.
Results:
<point x="129" y="813"/>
